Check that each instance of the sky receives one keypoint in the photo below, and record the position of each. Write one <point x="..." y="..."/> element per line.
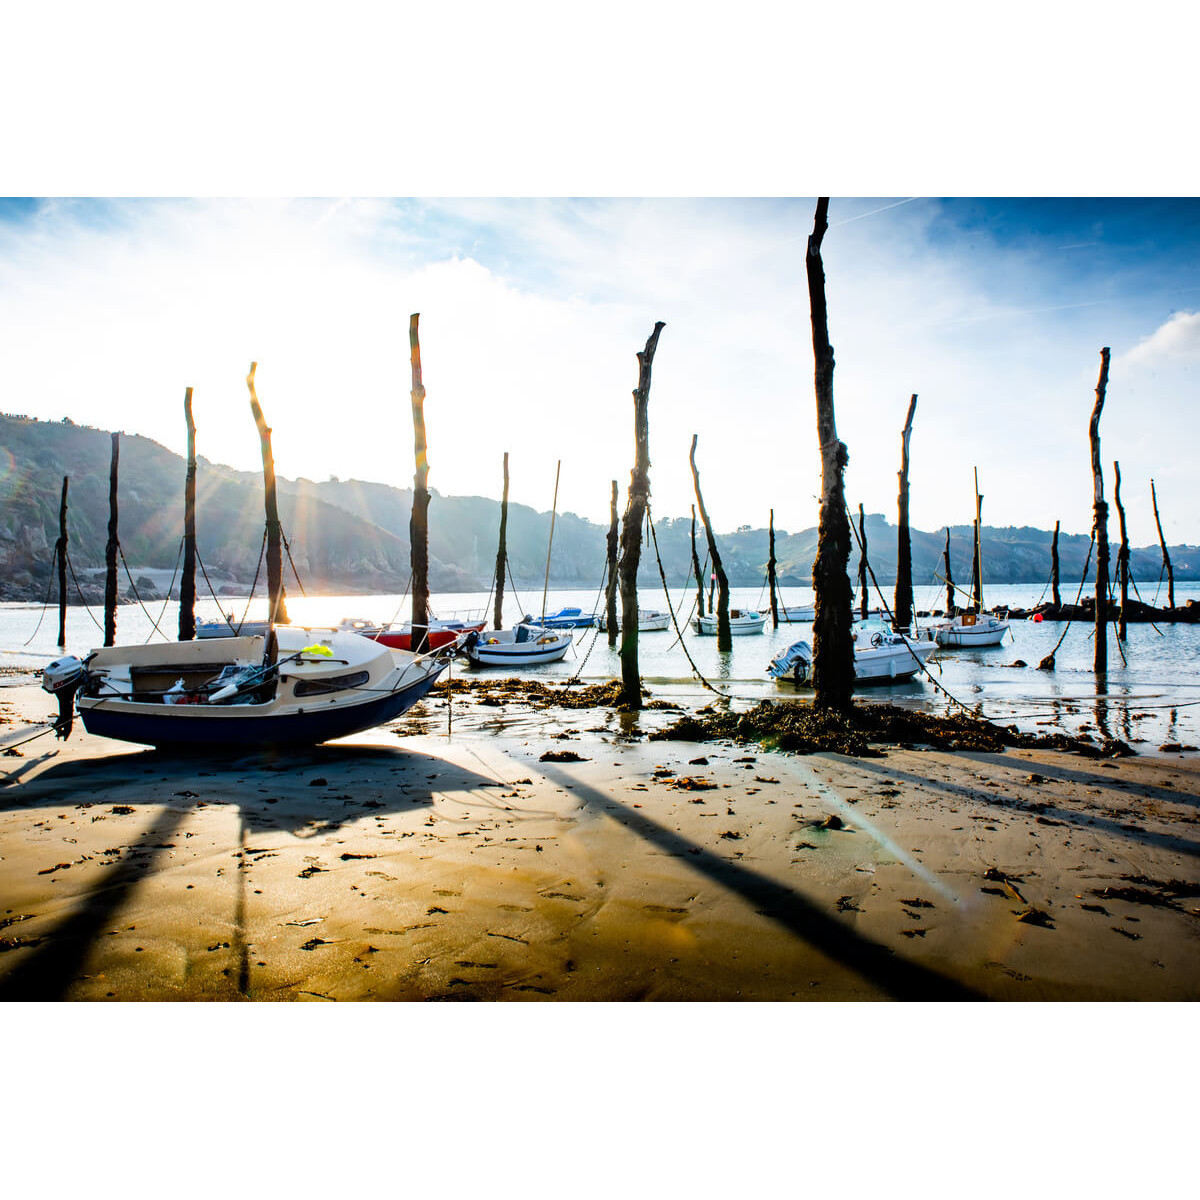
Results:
<point x="533" y="310"/>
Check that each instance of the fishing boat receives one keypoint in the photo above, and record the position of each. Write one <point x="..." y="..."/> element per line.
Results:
<point x="650" y="620"/>
<point x="220" y="692"/>
<point x="742" y="621"/>
<point x="565" y="618"/>
<point x="970" y="630"/>
<point x="880" y="656"/>
<point x="522" y="646"/>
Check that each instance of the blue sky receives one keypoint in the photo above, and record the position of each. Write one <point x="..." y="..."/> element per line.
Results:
<point x="993" y="311"/>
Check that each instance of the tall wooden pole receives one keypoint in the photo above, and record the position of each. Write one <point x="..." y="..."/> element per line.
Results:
<point x="771" y="571"/>
<point x="903" y="608"/>
<point x="610" y="588"/>
<point x="187" y="582"/>
<point x="833" y="643"/>
<point x="949" y="577"/>
<point x="696" y="569"/>
<point x="1122" y="555"/>
<point x="862" y="564"/>
<point x="418" y="524"/>
<point x="976" y="562"/>
<point x="1162" y="541"/>
<point x="550" y="539"/>
<point x="110" y="549"/>
<point x="724" y="635"/>
<point x="277" y="605"/>
<point x="1054" y="592"/>
<point x="60" y="551"/>
<point x="1100" y="522"/>
<point x="631" y="526"/>
<point x="502" y="552"/>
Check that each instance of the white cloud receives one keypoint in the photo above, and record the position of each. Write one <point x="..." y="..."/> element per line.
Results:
<point x="1177" y="338"/>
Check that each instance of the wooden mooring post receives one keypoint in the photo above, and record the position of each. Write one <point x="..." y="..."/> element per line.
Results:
<point x="771" y="570"/>
<point x="631" y="526"/>
<point x="1100" y="522"/>
<point x="60" y="552"/>
<point x="502" y="553"/>
<point x="111" y="547"/>
<point x="833" y="643"/>
<point x="1162" y="541"/>
<point x="902" y="609"/>
<point x="863" y="564"/>
<point x="1122" y="556"/>
<point x="724" y="635"/>
<point x="187" y="581"/>
<point x="696" y="569"/>
<point x="977" y="556"/>
<point x="949" y="577"/>
<point x="1056" y="597"/>
<point x="276" y="602"/>
<point x="418" y="523"/>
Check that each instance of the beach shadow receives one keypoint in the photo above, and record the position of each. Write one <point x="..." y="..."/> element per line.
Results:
<point x="1039" y="808"/>
<point x="177" y="787"/>
<point x="900" y="978"/>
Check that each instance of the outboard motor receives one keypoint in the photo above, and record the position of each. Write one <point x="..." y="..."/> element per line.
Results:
<point x="62" y="679"/>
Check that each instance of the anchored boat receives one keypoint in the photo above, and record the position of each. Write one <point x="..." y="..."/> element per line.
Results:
<point x="522" y="646"/>
<point x="880" y="656"/>
<point x="230" y="692"/>
<point x="742" y="621"/>
<point x="969" y="630"/>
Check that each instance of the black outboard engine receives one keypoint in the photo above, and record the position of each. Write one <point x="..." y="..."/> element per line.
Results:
<point x="62" y="679"/>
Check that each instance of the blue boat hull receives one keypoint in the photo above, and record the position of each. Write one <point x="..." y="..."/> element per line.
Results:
<point x="321" y="724"/>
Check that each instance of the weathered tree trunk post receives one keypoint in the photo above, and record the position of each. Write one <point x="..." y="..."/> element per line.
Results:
<point x="110" y="549"/>
<point x="1122" y="555"/>
<point x="1100" y="523"/>
<point x="187" y="581"/>
<point x="771" y="571"/>
<point x="1054" y="592"/>
<point x="862" y="564"/>
<point x="418" y="524"/>
<point x="903" y="607"/>
<point x="60" y="552"/>
<point x="949" y="577"/>
<point x="696" y="569"/>
<point x="610" y="588"/>
<point x="631" y="527"/>
<point x="833" y="644"/>
<point x="502" y="552"/>
<point x="976" y="562"/>
<point x="1162" y="541"/>
<point x="724" y="636"/>
<point x="277" y="606"/>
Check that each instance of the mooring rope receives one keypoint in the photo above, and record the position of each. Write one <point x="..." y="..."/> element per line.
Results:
<point x="79" y="593"/>
<point x="46" y="602"/>
<point x="1087" y="562"/>
<point x="137" y="594"/>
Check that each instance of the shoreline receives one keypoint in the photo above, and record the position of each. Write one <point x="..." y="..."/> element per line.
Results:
<point x="443" y="858"/>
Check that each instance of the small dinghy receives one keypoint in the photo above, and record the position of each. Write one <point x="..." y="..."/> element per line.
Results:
<point x="969" y="630"/>
<point x="228" y="692"/>
<point x="565" y="618"/>
<point x="795" y="614"/>
<point x="522" y="646"/>
<point x="650" y="620"/>
<point x="742" y="621"/>
<point x="880" y="656"/>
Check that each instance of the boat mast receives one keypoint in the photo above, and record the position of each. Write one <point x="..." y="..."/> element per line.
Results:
<point x="550" y="542"/>
<point x="277" y="609"/>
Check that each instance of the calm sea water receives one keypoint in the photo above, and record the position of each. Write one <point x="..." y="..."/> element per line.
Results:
<point x="1151" y="698"/>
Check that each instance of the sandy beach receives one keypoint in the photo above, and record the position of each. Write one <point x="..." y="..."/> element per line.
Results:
<point x="448" y="858"/>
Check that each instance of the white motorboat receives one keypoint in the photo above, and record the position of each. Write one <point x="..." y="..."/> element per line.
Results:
<point x="880" y="656"/>
<point x="217" y="692"/>
<point x="794" y="614"/>
<point x="521" y="646"/>
<point x="742" y="621"/>
<point x="650" y="620"/>
<point x="970" y="630"/>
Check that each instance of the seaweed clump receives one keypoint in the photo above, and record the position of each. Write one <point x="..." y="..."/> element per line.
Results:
<point x="543" y="695"/>
<point x="804" y="729"/>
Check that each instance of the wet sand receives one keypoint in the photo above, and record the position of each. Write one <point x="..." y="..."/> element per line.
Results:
<point x="412" y="864"/>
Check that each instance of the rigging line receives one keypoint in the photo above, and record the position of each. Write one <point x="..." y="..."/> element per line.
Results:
<point x="924" y="669"/>
<point x="46" y="602"/>
<point x="137" y="595"/>
<point x="212" y="590"/>
<point x="1161" y="572"/>
<point x="595" y="627"/>
<point x="288" y="547"/>
<point x="695" y="599"/>
<point x="671" y="610"/>
<point x="1087" y="562"/>
<point x="512" y="585"/>
<point x="1139" y="596"/>
<point x="246" y="611"/>
<point x="1116" y="627"/>
<point x="403" y="597"/>
<point x="79" y="592"/>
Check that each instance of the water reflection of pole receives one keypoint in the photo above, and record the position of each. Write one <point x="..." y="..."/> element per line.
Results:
<point x="1102" y="709"/>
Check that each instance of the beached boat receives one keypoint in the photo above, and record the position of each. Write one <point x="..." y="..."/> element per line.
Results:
<point x="742" y="621"/>
<point x="229" y="627"/>
<point x="219" y="692"/>
<point x="522" y="646"/>
<point x="565" y="618"/>
<point x="970" y="630"/>
<point x="880" y="656"/>
<point x="650" y="620"/>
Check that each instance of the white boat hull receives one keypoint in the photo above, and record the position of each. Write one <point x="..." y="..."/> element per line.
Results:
<point x="986" y="631"/>
<point x="740" y="623"/>
<point x="513" y="648"/>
